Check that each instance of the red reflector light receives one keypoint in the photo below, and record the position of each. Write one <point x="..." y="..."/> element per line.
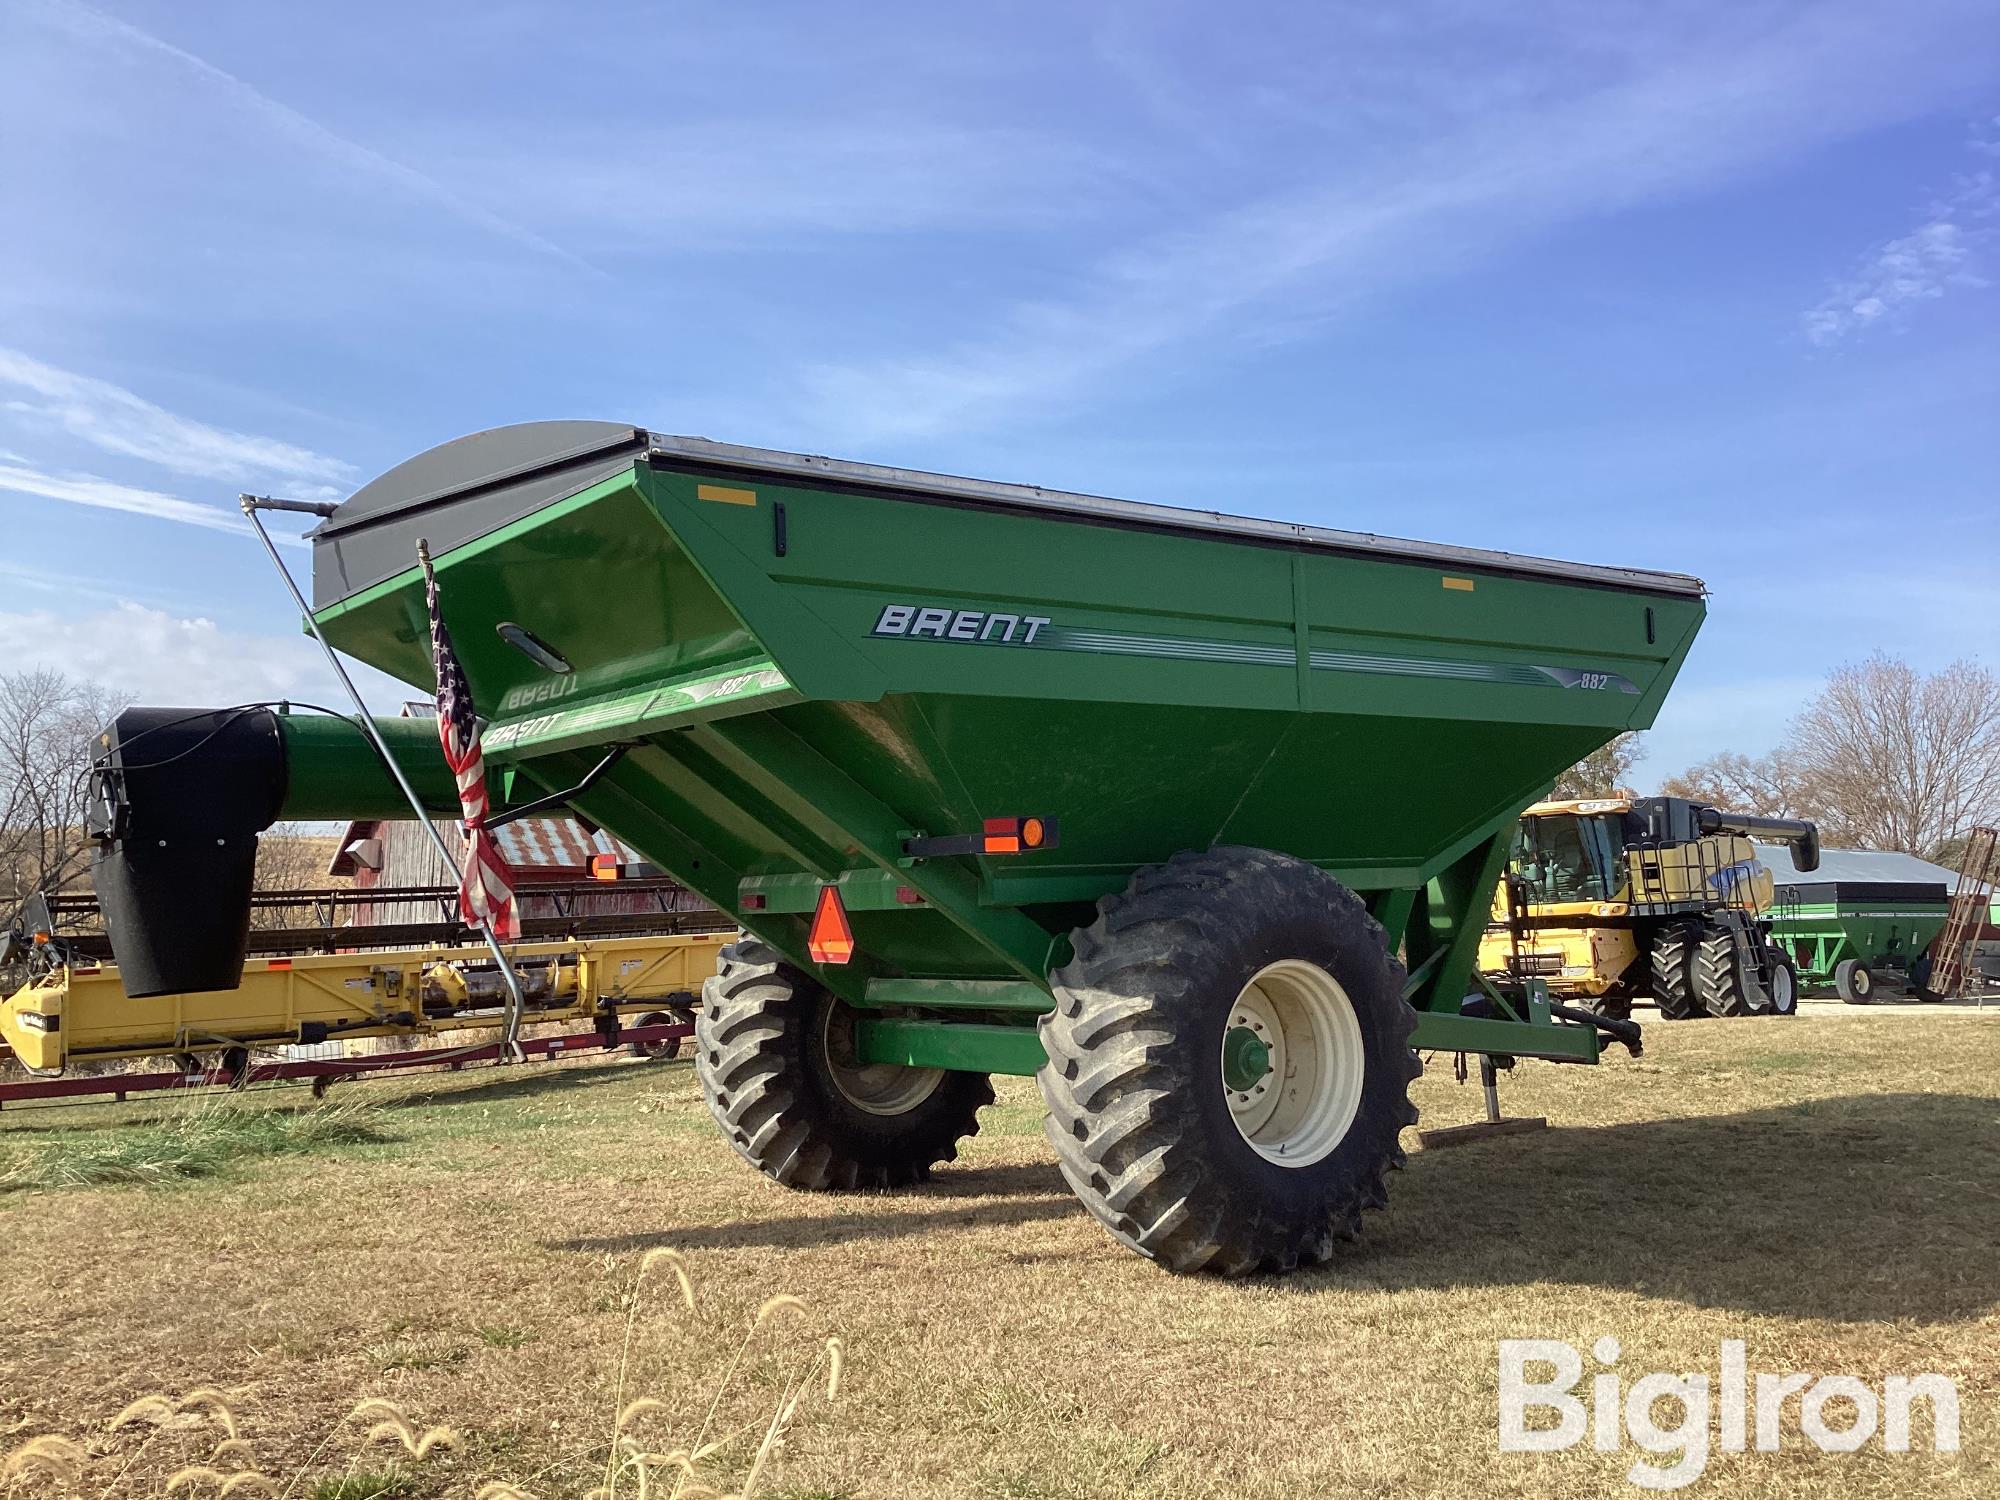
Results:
<point x="831" y="940"/>
<point x="908" y="896"/>
<point x="753" y="901"/>
<point x="279" y="963"/>
<point x="995" y="836"/>
<point x="604" y="867"/>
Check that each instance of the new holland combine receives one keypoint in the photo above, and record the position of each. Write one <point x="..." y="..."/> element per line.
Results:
<point x="1655" y="897"/>
<point x="1196" y="819"/>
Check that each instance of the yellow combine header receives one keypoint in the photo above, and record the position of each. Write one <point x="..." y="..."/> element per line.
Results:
<point x="78" y="1012"/>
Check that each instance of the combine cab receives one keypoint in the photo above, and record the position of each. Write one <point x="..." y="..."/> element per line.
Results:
<point x="1194" y="818"/>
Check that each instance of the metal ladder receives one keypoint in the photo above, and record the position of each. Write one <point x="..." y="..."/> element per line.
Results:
<point x="1968" y="913"/>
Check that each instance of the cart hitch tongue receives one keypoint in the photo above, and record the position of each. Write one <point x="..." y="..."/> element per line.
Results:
<point x="1624" y="1032"/>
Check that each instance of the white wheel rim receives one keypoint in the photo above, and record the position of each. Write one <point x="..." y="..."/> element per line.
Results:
<point x="873" y="1088"/>
<point x="1304" y="1105"/>
<point x="1784" y="992"/>
<point x="1863" y="981"/>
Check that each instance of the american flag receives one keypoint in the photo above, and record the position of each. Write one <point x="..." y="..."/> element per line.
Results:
<point x="485" y="892"/>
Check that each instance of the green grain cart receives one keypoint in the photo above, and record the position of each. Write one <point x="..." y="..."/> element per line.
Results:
<point x="1196" y="819"/>
<point x="1863" y="918"/>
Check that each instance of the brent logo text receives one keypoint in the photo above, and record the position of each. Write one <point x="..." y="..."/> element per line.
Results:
<point x="912" y="621"/>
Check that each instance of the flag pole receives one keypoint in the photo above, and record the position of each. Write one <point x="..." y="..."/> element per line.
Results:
<point x="510" y="1045"/>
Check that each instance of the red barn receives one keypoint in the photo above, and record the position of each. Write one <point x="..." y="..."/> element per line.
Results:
<point x="395" y="854"/>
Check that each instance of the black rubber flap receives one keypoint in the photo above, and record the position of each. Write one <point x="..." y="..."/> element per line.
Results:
<point x="180" y="797"/>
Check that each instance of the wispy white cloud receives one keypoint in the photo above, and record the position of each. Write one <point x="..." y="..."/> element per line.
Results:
<point x="746" y="180"/>
<point x="163" y="657"/>
<point x="1914" y="268"/>
<point x="95" y="26"/>
<point x="26" y="577"/>
<point x="105" y="494"/>
<point x="1688" y="117"/>
<point x="112" y="418"/>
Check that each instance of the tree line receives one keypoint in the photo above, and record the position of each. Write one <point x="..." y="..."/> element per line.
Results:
<point x="1884" y="757"/>
<point x="48" y="725"/>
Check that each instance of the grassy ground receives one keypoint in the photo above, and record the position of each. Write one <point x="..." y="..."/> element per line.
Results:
<point x="1826" y="1189"/>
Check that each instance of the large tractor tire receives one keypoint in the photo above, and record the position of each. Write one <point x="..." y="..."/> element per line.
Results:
<point x="1852" y="981"/>
<point x="1718" y="978"/>
<point x="1229" y="1063"/>
<point x="775" y="1053"/>
<point x="1673" y="952"/>
<point x="1784" y="985"/>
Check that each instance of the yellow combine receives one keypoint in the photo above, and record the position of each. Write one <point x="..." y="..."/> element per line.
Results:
<point x="1614" y="899"/>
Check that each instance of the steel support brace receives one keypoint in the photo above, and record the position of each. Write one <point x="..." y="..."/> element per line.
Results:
<point x="797" y="777"/>
<point x="642" y="825"/>
<point x="966" y="1046"/>
<point x="1392" y="909"/>
<point x="1450" y="916"/>
<point x="962" y="1046"/>
<point x="961" y="994"/>
<point x="1558" y="1041"/>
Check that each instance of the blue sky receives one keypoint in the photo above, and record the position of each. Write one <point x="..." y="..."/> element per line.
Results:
<point x="1702" y="287"/>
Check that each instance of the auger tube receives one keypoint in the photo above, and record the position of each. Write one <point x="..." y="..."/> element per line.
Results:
<point x="1801" y="836"/>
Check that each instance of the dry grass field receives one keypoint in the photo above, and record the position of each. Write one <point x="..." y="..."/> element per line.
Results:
<point x="465" y="1247"/>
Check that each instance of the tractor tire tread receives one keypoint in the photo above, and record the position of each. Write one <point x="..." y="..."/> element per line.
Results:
<point x="753" y="1062"/>
<point x="1718" y="980"/>
<point x="1116" y="1083"/>
<point x="1673" y="973"/>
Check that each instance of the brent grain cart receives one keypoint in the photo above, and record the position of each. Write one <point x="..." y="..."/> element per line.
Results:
<point x="1194" y="818"/>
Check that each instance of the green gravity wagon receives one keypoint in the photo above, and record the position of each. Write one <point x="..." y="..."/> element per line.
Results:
<point x="1865" y="917"/>
<point x="1194" y="818"/>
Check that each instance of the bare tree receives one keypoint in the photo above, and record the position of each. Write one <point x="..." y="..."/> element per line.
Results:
<point x="1900" y="759"/>
<point x="47" y="724"/>
<point x="1766" y="786"/>
<point x="292" y="857"/>
<point x="1886" y="757"/>
<point x="1602" y="773"/>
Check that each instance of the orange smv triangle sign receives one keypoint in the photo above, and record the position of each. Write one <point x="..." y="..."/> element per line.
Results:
<point x="831" y="940"/>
